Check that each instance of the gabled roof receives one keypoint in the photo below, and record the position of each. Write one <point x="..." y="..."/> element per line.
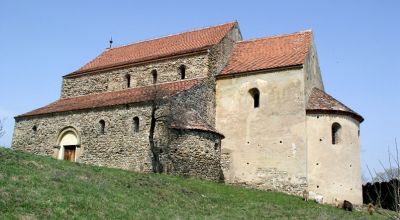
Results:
<point x="191" y="120"/>
<point x="182" y="43"/>
<point x="269" y="53"/>
<point x="120" y="97"/>
<point x="320" y="102"/>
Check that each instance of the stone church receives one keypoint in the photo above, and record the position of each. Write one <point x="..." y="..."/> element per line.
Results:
<point x="206" y="103"/>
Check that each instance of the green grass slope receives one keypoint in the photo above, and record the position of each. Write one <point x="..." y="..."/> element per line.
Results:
<point x="36" y="187"/>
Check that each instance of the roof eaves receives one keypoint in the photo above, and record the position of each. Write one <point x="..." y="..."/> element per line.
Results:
<point x="197" y="129"/>
<point x="354" y="115"/>
<point x="194" y="82"/>
<point x="257" y="71"/>
<point x="317" y="104"/>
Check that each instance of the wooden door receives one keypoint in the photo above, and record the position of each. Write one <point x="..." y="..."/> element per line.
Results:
<point x="69" y="152"/>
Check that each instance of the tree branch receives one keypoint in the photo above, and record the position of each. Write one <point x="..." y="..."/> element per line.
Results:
<point x="2" y="132"/>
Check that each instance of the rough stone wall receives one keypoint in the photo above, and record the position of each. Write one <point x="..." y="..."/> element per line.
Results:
<point x="220" y="53"/>
<point x="167" y="71"/>
<point x="264" y="147"/>
<point x="272" y="179"/>
<point x="281" y="180"/>
<point x="334" y="170"/>
<point x="118" y="147"/>
<point x="198" y="98"/>
<point x="194" y="153"/>
<point x="312" y="72"/>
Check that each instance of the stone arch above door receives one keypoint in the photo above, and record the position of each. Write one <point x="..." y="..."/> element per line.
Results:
<point x="68" y="144"/>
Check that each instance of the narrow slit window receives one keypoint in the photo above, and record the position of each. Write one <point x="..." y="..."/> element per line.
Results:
<point x="102" y="126"/>
<point x="154" y="74"/>
<point x="135" y="124"/>
<point x="182" y="71"/>
<point x="336" y="133"/>
<point x="255" y="94"/>
<point x="128" y="80"/>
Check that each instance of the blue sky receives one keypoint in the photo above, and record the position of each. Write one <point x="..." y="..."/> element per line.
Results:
<point x="357" y="42"/>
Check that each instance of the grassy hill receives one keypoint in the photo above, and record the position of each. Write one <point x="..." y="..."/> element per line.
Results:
<point x="36" y="187"/>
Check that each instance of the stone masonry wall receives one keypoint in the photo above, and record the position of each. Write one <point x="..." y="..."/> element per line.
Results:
<point x="220" y="53"/>
<point x="167" y="71"/>
<point x="194" y="153"/>
<point x="198" y="98"/>
<point x="118" y="147"/>
<point x="268" y="178"/>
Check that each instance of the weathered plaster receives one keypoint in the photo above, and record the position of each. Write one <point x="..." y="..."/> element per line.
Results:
<point x="334" y="170"/>
<point x="266" y="146"/>
<point x="312" y="72"/>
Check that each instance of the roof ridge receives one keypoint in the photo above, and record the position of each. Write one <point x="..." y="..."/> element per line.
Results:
<point x="275" y="36"/>
<point x="175" y="34"/>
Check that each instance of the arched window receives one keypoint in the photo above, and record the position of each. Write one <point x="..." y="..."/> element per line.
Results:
<point x="135" y="124"/>
<point x="255" y="93"/>
<point x="336" y="133"/>
<point x="128" y="80"/>
<point x="154" y="74"/>
<point x="102" y="127"/>
<point x="182" y="71"/>
<point x="34" y="129"/>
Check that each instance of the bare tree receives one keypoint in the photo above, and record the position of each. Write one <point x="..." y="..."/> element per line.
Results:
<point x="377" y="190"/>
<point x="160" y="114"/>
<point x="391" y="176"/>
<point x="385" y="176"/>
<point x="364" y="179"/>
<point x="2" y="132"/>
<point x="165" y="109"/>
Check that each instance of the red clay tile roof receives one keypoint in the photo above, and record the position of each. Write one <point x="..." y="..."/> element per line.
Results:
<point x="182" y="43"/>
<point x="191" y="120"/>
<point x="269" y="53"/>
<point x="121" y="97"/>
<point x="320" y="102"/>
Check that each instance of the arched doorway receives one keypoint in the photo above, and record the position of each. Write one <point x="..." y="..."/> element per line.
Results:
<point x="68" y="141"/>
